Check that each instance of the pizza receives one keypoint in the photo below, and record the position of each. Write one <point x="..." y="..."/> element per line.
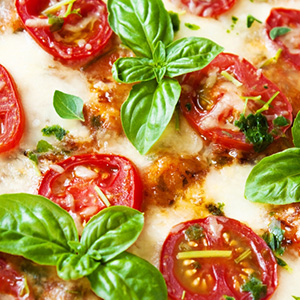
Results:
<point x="149" y="149"/>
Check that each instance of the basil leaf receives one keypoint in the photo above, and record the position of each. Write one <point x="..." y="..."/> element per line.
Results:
<point x="35" y="227"/>
<point x="296" y="131"/>
<point x="192" y="26"/>
<point x="73" y="266"/>
<point x="128" y="277"/>
<point x="112" y="231"/>
<point x="275" y="179"/>
<point x="140" y="24"/>
<point x="190" y="54"/>
<point x="251" y="20"/>
<point x="68" y="106"/>
<point x="278" y="31"/>
<point x="148" y="110"/>
<point x="133" y="69"/>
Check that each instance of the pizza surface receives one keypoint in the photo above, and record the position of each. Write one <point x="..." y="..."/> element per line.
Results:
<point x="215" y="172"/>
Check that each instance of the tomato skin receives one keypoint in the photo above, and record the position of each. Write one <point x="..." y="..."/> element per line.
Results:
<point x="68" y="51"/>
<point x="12" y="283"/>
<point x="221" y="270"/>
<point x="117" y="178"/>
<point x="281" y="17"/>
<point x="254" y="84"/>
<point x="11" y="113"/>
<point x="204" y="8"/>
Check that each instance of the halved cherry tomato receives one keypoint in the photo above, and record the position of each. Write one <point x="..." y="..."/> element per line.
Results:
<point x="204" y="8"/>
<point x="75" y="36"/>
<point x="75" y="182"/>
<point x="289" y="43"/>
<point x="211" y="278"/>
<point x="212" y="103"/>
<point x="11" y="113"/>
<point x="12" y="283"/>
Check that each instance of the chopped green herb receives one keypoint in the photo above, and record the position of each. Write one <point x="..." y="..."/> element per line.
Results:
<point x="188" y="106"/>
<point x="43" y="146"/>
<point x="196" y="265"/>
<point x="55" y="130"/>
<point x="183" y="295"/>
<point x="228" y="297"/>
<point x="257" y="289"/>
<point x="96" y="121"/>
<point x="175" y="20"/>
<point x="32" y="156"/>
<point x="231" y="78"/>
<point x="255" y="127"/>
<point x="192" y="26"/>
<point x="243" y="256"/>
<point x="283" y="264"/>
<point x="227" y="133"/>
<point x="278" y="31"/>
<point x="274" y="237"/>
<point x="251" y="20"/>
<point x="281" y="121"/>
<point x="194" y="233"/>
<point x="56" y="22"/>
<point x="296" y="298"/>
<point x="273" y="59"/>
<point x="216" y="210"/>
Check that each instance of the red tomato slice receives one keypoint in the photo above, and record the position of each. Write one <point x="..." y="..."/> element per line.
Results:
<point x="12" y="283"/>
<point x="204" y="8"/>
<point x="212" y="278"/>
<point x="11" y="113"/>
<point x="212" y="103"/>
<point x="73" y="183"/>
<point x="82" y="35"/>
<point x="281" y="17"/>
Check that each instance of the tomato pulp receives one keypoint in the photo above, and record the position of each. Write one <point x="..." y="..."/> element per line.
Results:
<point x="211" y="278"/>
<point x="11" y="113"/>
<point x="212" y="103"/>
<point x="77" y="184"/>
<point x="72" y="37"/>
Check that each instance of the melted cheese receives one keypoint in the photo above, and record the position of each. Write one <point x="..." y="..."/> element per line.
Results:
<point x="37" y="76"/>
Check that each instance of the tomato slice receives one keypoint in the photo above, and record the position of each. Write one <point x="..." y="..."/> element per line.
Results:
<point x="11" y="113"/>
<point x="289" y="42"/>
<point x="213" y="277"/>
<point x="12" y="283"/>
<point x="204" y="8"/>
<point x="75" y="182"/>
<point x="212" y="103"/>
<point x="77" y="37"/>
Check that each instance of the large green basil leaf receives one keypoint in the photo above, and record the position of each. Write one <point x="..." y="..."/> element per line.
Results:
<point x="140" y="24"/>
<point x="148" y="110"/>
<point x="296" y="131"/>
<point x="112" y="231"/>
<point x="190" y="54"/>
<point x="128" y="277"/>
<point x="133" y="69"/>
<point x="73" y="266"/>
<point x="35" y="227"/>
<point x="275" y="179"/>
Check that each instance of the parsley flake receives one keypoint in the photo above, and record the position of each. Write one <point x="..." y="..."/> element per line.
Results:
<point x="257" y="289"/>
<point x="55" y="130"/>
<point x="194" y="233"/>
